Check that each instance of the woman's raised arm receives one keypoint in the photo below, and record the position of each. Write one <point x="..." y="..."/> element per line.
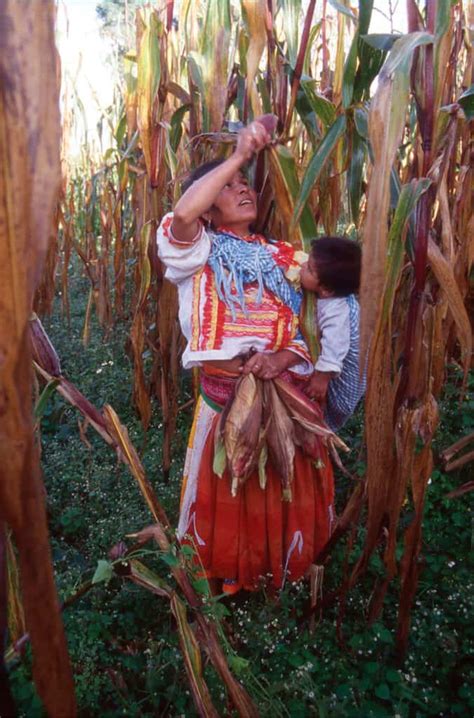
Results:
<point x="200" y="196"/>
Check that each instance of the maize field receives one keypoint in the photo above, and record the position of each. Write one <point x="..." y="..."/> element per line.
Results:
<point x="374" y="141"/>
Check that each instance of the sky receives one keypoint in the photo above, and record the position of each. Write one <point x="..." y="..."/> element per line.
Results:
<point x="84" y="51"/>
<point x="84" y="55"/>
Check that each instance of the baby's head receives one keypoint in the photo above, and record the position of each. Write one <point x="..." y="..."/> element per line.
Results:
<point x="333" y="267"/>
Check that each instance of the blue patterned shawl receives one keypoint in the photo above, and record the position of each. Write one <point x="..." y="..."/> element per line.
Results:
<point x="237" y="262"/>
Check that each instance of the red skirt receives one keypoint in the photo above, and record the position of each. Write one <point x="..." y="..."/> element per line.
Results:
<point x="253" y="537"/>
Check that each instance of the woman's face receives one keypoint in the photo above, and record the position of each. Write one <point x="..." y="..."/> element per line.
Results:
<point x="236" y="205"/>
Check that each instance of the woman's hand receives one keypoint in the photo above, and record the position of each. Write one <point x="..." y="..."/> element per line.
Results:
<point x="269" y="366"/>
<point x="251" y="139"/>
<point x="317" y="387"/>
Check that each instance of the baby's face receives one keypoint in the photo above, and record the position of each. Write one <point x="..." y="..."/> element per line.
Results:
<point x="309" y="276"/>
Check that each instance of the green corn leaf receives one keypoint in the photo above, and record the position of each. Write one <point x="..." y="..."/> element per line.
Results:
<point x="313" y="34"/>
<point x="402" y="51"/>
<point x="355" y="174"/>
<point x="103" y="572"/>
<point x="467" y="102"/>
<point x="287" y="188"/>
<point x="365" y="14"/>
<point x="370" y="63"/>
<point x="322" y="107"/>
<point x="443" y="16"/>
<point x="121" y="130"/>
<point x="176" y="130"/>
<point x="343" y="9"/>
<point x="350" y="73"/>
<point x="44" y="398"/>
<point x="217" y="17"/>
<point x="220" y="458"/>
<point x="237" y="664"/>
<point x="407" y="201"/>
<point x="308" y="117"/>
<point x="264" y="95"/>
<point x="361" y="120"/>
<point x="317" y="163"/>
<point x="356" y="84"/>
<point x="380" y="41"/>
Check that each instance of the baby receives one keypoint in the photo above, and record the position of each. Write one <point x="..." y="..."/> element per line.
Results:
<point x="332" y="272"/>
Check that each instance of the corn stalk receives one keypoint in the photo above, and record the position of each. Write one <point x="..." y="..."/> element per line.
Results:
<point x="29" y="186"/>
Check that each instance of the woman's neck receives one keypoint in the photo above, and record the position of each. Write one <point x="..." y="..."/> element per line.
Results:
<point x="240" y="230"/>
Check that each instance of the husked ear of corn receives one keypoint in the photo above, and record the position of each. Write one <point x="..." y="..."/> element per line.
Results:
<point x="242" y="430"/>
<point x="280" y="438"/>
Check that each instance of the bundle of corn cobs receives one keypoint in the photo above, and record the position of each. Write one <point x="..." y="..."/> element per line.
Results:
<point x="265" y="421"/>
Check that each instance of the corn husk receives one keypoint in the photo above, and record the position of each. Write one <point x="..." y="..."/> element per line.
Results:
<point x="241" y="431"/>
<point x="265" y="421"/>
<point x="280" y="438"/>
<point x="308" y="415"/>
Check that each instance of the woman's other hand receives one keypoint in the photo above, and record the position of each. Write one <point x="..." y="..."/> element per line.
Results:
<point x="269" y="366"/>
<point x="251" y="139"/>
<point x="317" y="387"/>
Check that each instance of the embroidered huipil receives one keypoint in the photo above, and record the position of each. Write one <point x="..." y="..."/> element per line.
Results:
<point x="255" y="317"/>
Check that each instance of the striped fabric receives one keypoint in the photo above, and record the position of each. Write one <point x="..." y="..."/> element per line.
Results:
<point x="346" y="390"/>
<point x="236" y="263"/>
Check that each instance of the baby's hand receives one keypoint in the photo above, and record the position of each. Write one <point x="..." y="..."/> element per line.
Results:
<point x="317" y="387"/>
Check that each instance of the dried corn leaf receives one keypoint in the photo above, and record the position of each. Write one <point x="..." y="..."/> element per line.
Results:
<point x="120" y="435"/>
<point x="443" y="272"/>
<point x="151" y="71"/>
<point x="208" y="632"/>
<point x="308" y="414"/>
<point x="7" y="705"/>
<point x="192" y="660"/>
<point x="255" y="13"/>
<point x="16" y="613"/>
<point x="386" y="123"/>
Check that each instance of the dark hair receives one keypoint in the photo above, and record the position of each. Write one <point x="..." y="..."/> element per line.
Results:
<point x="338" y="261"/>
<point x="199" y="172"/>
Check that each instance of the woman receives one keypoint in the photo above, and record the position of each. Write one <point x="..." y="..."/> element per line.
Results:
<point x="235" y="298"/>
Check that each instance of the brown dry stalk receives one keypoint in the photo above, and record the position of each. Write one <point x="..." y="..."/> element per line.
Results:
<point x="29" y="186"/>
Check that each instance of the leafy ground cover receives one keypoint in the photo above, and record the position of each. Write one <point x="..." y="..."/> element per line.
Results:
<point x="122" y="639"/>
